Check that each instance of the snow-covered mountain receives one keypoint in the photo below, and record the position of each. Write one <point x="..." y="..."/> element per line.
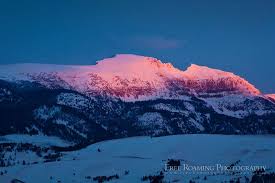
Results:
<point x="132" y="78"/>
<point x="129" y="95"/>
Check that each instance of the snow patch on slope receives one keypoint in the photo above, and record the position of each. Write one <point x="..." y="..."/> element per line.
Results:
<point x="154" y="121"/>
<point x="72" y="100"/>
<point x="237" y="106"/>
<point x="45" y="113"/>
<point x="170" y="108"/>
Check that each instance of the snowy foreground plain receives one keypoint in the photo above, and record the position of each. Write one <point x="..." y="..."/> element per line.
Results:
<point x="147" y="156"/>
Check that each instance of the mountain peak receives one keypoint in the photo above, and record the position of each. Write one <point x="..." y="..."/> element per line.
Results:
<point x="197" y="72"/>
<point x="130" y="59"/>
<point x="123" y="58"/>
<point x="131" y="66"/>
<point x="195" y="66"/>
<point x="203" y="72"/>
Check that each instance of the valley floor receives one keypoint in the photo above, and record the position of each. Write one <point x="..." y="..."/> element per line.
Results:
<point x="129" y="160"/>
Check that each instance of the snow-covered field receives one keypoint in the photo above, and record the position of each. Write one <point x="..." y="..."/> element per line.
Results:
<point x="147" y="156"/>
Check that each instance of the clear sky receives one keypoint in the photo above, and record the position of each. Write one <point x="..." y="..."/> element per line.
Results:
<point x="233" y="35"/>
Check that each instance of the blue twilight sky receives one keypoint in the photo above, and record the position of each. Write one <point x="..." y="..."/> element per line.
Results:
<point x="233" y="35"/>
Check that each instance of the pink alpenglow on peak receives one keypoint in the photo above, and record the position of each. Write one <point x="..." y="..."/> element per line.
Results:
<point x="224" y="79"/>
<point x="271" y="96"/>
<point x="133" y="77"/>
<point x="203" y="72"/>
<point x="133" y="66"/>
